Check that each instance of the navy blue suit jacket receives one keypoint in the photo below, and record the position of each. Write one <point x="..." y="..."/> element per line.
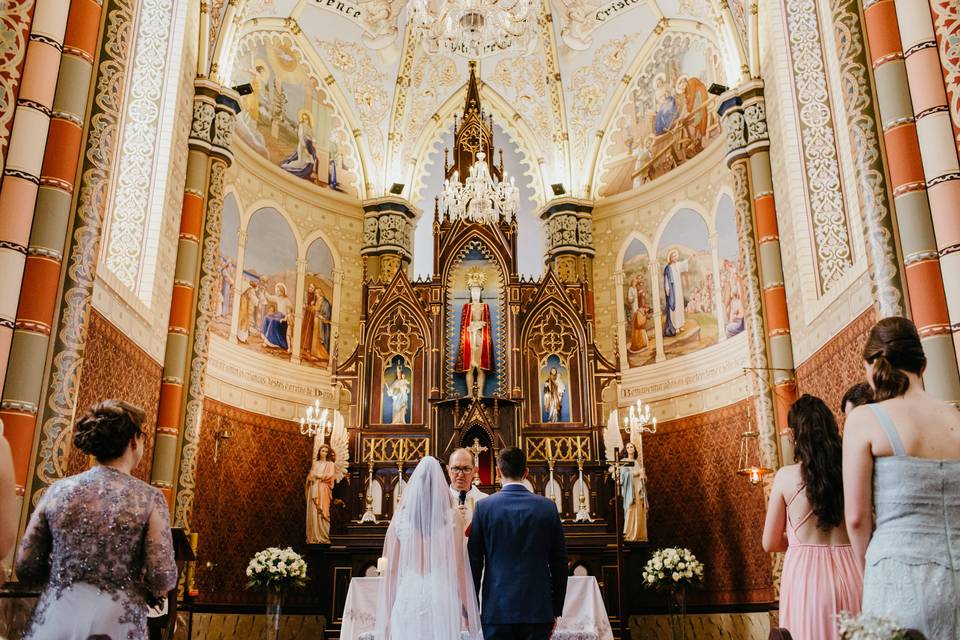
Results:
<point x="516" y="544"/>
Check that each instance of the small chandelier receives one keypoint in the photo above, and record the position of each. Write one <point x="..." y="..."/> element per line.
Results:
<point x="480" y="198"/>
<point x="473" y="28"/>
<point x="750" y="463"/>
<point x="316" y="422"/>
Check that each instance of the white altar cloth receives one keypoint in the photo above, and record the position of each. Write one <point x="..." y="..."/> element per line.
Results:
<point x="584" y="616"/>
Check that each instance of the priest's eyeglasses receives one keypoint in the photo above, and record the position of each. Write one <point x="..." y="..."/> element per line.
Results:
<point x="461" y="470"/>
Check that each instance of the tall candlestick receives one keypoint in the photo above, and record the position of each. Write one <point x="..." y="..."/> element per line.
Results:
<point x="549" y="449"/>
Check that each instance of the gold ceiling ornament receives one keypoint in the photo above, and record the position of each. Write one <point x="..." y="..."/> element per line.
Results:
<point x="474" y="28"/>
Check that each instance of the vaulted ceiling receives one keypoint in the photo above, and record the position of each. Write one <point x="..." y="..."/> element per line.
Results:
<point x="562" y="102"/>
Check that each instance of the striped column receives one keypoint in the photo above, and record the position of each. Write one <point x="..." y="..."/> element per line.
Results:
<point x="732" y="118"/>
<point x="41" y="277"/>
<point x="751" y="118"/>
<point x="17" y="16"/>
<point x="941" y="168"/>
<point x="214" y="109"/>
<point x="921" y="258"/>
<point x="21" y="175"/>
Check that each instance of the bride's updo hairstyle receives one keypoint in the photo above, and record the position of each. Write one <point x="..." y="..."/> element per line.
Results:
<point x="893" y="347"/>
<point x="107" y="429"/>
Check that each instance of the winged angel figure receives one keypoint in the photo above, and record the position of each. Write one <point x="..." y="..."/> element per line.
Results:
<point x="633" y="477"/>
<point x="330" y="463"/>
<point x="380" y="20"/>
<point x="579" y="21"/>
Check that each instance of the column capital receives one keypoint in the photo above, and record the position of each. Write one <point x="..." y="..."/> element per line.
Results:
<point x="743" y="115"/>
<point x="215" y="108"/>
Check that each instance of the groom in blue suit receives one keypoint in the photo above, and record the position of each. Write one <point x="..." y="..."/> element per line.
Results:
<point x="516" y="545"/>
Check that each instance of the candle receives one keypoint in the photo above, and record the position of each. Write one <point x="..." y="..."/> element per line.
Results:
<point x="549" y="450"/>
<point x="381" y="565"/>
<point x="403" y="449"/>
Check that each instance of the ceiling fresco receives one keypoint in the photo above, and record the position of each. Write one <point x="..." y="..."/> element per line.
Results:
<point x="381" y="103"/>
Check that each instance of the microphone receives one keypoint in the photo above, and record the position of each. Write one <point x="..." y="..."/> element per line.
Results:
<point x="463" y="498"/>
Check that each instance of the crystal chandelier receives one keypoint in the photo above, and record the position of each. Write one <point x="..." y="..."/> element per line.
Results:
<point x="480" y="198"/>
<point x="473" y="28"/>
<point x="316" y="422"/>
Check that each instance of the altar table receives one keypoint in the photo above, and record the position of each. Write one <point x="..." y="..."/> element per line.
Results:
<point x="584" y="615"/>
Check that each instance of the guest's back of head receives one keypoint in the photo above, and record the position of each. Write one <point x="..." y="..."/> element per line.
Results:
<point x="818" y="449"/>
<point x="893" y="349"/>
<point x="107" y="428"/>
<point x="856" y="396"/>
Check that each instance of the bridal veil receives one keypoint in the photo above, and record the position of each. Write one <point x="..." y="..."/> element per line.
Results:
<point x="427" y="590"/>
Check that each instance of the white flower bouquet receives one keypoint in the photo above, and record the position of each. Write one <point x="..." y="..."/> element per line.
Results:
<point x="276" y="569"/>
<point x="672" y="569"/>
<point x="866" y="627"/>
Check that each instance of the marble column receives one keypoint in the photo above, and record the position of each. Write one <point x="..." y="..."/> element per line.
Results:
<point x="25" y="155"/>
<point x="208" y="145"/>
<point x="918" y="242"/>
<point x="938" y="151"/>
<point x="295" y="344"/>
<point x="48" y="224"/>
<point x="239" y="282"/>
<point x="655" y="302"/>
<point x="743" y="115"/>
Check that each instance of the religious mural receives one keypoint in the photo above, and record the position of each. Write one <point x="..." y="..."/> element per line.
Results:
<point x="638" y="311"/>
<point x="667" y="118"/>
<point x="554" y="390"/>
<point x="731" y="284"/>
<point x="686" y="282"/>
<point x="268" y="284"/>
<point x="475" y="326"/>
<point x="397" y="383"/>
<point x="286" y="118"/>
<point x="316" y="330"/>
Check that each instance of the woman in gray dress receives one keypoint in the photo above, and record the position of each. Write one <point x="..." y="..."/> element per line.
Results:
<point x="99" y="541"/>
<point x="901" y="460"/>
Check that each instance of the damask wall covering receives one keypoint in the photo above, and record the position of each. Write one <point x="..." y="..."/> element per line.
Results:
<point x="115" y="367"/>
<point x="249" y="496"/>
<point x="698" y="501"/>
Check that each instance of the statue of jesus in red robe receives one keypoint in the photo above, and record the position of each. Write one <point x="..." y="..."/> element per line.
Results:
<point x="475" y="356"/>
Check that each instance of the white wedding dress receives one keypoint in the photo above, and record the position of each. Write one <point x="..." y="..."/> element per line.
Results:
<point x="427" y="592"/>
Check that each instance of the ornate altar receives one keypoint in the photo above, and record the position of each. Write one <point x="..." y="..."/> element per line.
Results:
<point x="475" y="356"/>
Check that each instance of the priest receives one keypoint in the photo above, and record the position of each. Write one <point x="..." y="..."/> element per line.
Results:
<point x="462" y="470"/>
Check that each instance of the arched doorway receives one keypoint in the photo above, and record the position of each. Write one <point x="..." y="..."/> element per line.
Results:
<point x="478" y="440"/>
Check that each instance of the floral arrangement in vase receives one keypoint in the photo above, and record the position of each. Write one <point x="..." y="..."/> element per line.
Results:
<point x="672" y="569"/>
<point x="866" y="627"/>
<point x="276" y="570"/>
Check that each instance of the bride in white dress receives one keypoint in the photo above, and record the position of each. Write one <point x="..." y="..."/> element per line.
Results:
<point x="427" y="592"/>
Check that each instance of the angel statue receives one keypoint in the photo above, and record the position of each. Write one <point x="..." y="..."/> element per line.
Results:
<point x="330" y="464"/>
<point x="633" y="478"/>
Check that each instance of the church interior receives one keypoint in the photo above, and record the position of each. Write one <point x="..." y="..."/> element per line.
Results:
<point x="317" y="241"/>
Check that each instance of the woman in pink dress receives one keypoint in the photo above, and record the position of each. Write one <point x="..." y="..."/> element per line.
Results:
<point x="821" y="576"/>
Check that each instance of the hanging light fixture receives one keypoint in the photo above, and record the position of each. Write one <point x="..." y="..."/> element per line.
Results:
<point x="473" y="28"/>
<point x="480" y="198"/>
<point x="316" y="422"/>
<point x="750" y="463"/>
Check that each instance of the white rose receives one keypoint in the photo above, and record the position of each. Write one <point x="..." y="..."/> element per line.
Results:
<point x="651" y="579"/>
<point x="676" y="576"/>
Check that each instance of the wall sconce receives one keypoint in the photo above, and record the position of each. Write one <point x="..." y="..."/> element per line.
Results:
<point x="222" y="433"/>
<point x="750" y="464"/>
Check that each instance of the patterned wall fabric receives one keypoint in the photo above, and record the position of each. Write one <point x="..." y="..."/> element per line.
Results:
<point x="697" y="501"/>
<point x="251" y="498"/>
<point x="115" y="367"/>
<point x="838" y="364"/>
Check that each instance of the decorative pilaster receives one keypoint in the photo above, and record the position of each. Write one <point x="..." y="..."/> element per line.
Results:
<point x="569" y="235"/>
<point x="717" y="295"/>
<point x="921" y="258"/>
<point x="49" y="222"/>
<point x="238" y="277"/>
<point x="25" y="156"/>
<point x="655" y="295"/>
<point x="387" y="237"/>
<point x="946" y="20"/>
<point x="941" y="167"/>
<point x="748" y="156"/>
<point x="55" y="396"/>
<point x="298" y="311"/>
<point x="211" y="134"/>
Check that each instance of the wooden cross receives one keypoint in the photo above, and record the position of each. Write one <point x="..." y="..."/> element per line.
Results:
<point x="476" y="448"/>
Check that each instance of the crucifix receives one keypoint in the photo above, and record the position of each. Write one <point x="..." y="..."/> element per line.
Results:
<point x="476" y="448"/>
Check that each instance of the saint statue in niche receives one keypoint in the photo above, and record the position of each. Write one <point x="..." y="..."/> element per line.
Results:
<point x="398" y="393"/>
<point x="475" y="356"/>
<point x="673" y="292"/>
<point x="633" y="480"/>
<point x="553" y="392"/>
<point x="319" y="492"/>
